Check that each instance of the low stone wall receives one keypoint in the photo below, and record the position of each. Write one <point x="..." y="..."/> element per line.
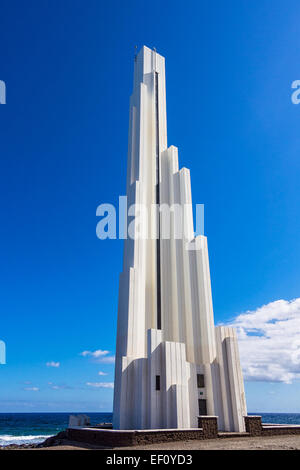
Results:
<point x="255" y="428"/>
<point x="146" y="437"/>
<point x="111" y="438"/>
<point x="280" y="430"/>
<point x="209" y="425"/>
<point x="101" y="437"/>
<point x="253" y="425"/>
<point x="208" y="429"/>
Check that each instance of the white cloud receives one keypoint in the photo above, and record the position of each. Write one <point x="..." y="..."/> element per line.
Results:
<point x="101" y="384"/>
<point x="269" y="341"/>
<point x="52" y="364"/>
<point x="107" y="360"/>
<point x="54" y="386"/>
<point x="96" y="354"/>
<point x="31" y="389"/>
<point x="101" y="373"/>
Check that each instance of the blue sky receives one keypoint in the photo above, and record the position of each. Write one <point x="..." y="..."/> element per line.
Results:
<point x="68" y="68"/>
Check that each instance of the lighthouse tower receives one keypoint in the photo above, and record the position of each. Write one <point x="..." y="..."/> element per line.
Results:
<point x="172" y="363"/>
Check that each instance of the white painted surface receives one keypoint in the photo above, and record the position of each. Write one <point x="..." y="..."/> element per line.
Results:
<point x="188" y="343"/>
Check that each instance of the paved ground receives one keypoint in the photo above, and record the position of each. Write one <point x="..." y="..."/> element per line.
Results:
<point x="245" y="443"/>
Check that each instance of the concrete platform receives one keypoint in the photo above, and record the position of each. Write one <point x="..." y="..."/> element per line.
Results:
<point x="104" y="437"/>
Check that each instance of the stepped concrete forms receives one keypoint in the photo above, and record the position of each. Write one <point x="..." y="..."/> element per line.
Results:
<point x="172" y="363"/>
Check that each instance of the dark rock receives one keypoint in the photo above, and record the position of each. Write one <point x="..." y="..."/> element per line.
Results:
<point x="54" y="440"/>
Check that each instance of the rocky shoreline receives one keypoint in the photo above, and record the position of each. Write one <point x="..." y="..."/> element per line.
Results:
<point x="56" y="440"/>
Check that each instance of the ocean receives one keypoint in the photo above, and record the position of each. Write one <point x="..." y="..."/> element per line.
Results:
<point x="33" y="428"/>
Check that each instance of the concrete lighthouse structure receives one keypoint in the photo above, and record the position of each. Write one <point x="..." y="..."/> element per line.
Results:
<point x="172" y="363"/>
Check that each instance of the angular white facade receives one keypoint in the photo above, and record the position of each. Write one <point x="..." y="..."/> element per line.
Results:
<point x="172" y="363"/>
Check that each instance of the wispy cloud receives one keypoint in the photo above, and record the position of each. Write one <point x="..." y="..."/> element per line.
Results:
<point x="100" y="384"/>
<point x="102" y="373"/>
<point x="100" y="356"/>
<point x="107" y="360"/>
<point x="31" y="389"/>
<point x="52" y="364"/>
<point x="269" y="341"/>
<point x="59" y="387"/>
<point x="95" y="354"/>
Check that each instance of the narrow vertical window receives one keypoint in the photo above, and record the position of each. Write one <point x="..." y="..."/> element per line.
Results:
<point x="200" y="381"/>
<point x="157" y="382"/>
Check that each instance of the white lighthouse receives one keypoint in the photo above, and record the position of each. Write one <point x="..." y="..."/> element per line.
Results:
<point x="172" y="363"/>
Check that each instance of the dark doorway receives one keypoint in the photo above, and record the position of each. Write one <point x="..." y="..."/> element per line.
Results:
<point x="157" y="382"/>
<point x="202" y="407"/>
